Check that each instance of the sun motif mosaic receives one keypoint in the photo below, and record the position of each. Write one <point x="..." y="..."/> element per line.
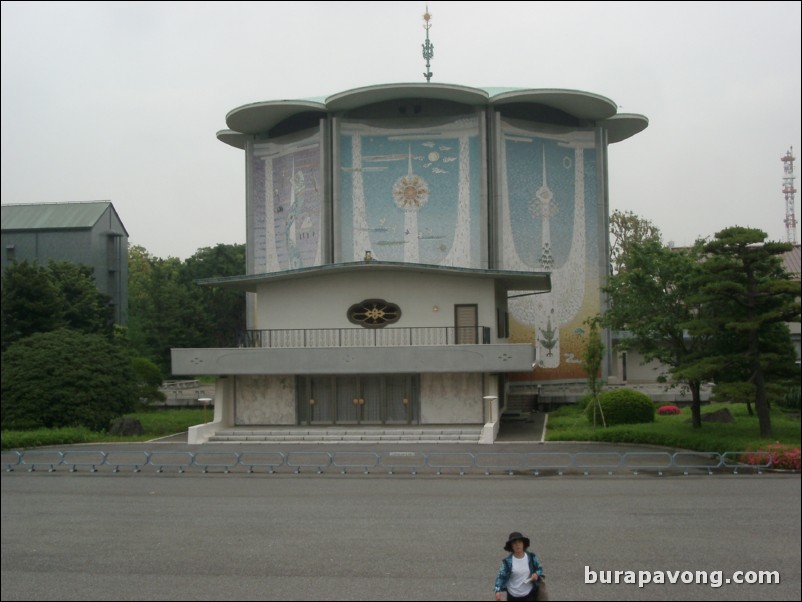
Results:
<point x="410" y="192"/>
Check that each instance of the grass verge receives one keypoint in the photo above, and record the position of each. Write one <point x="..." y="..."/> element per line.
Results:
<point x="570" y="424"/>
<point x="156" y="423"/>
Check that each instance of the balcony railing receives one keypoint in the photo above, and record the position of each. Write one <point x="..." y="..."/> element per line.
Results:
<point x="364" y="337"/>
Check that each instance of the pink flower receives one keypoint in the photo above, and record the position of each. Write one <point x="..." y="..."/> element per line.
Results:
<point x="782" y="456"/>
<point x="667" y="410"/>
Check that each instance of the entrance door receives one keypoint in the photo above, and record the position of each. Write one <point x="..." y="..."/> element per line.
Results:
<point x="371" y="399"/>
<point x="353" y="399"/>
<point x="466" y="324"/>
<point x="348" y="400"/>
<point x="316" y="400"/>
<point x="401" y="399"/>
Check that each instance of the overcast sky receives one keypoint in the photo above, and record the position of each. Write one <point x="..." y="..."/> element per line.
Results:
<point x="121" y="101"/>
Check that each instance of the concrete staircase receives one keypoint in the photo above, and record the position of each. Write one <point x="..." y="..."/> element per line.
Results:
<point x="352" y="434"/>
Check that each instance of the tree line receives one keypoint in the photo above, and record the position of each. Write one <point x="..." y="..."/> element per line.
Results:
<point x="65" y="363"/>
<point x="166" y="308"/>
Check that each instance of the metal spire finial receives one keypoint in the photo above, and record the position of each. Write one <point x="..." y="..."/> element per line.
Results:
<point x="428" y="47"/>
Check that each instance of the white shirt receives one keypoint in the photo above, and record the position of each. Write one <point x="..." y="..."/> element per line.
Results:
<point x="520" y="573"/>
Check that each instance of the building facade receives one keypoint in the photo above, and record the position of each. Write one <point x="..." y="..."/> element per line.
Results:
<point x="89" y="233"/>
<point x="414" y="250"/>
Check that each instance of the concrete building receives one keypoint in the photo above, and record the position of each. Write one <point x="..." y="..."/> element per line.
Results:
<point x="417" y="254"/>
<point x="89" y="233"/>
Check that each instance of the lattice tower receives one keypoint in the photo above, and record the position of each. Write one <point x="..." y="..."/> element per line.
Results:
<point x="789" y="191"/>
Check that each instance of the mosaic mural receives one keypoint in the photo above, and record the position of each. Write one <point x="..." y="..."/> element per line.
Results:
<point x="411" y="195"/>
<point x="287" y="196"/>
<point x="549" y="207"/>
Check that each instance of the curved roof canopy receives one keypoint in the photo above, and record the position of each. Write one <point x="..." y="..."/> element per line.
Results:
<point x="510" y="281"/>
<point x="582" y="105"/>
<point x="360" y="97"/>
<point x="623" y="126"/>
<point x="261" y="117"/>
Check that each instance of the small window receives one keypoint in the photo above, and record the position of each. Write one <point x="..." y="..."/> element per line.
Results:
<point x="11" y="253"/>
<point x="374" y="313"/>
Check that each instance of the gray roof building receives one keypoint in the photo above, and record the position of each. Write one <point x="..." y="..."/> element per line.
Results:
<point x="89" y="233"/>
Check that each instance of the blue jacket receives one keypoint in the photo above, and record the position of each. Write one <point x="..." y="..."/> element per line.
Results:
<point x="506" y="570"/>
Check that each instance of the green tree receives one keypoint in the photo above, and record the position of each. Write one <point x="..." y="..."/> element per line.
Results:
<point x="31" y="302"/>
<point x="592" y="356"/>
<point x="224" y="308"/>
<point x="66" y="378"/>
<point x="149" y="379"/>
<point x="654" y="301"/>
<point x="731" y="364"/>
<point x="750" y="291"/>
<point x="627" y="229"/>
<point x="168" y="309"/>
<point x="85" y="308"/>
<point x="164" y="312"/>
<point x="42" y="299"/>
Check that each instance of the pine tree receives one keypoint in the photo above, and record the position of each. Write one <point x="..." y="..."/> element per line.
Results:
<point x="750" y="293"/>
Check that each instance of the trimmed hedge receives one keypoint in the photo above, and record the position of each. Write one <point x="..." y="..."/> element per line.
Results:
<point x="621" y="406"/>
<point x="65" y="378"/>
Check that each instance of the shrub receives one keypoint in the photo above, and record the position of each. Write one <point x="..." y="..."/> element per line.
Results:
<point x="782" y="456"/>
<point x="622" y="406"/>
<point x="668" y="410"/>
<point x="65" y="378"/>
<point x="149" y="379"/>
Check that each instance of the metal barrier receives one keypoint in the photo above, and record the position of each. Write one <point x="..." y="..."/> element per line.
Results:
<point x="556" y="464"/>
<point x="35" y="458"/>
<point x="171" y="459"/>
<point x="403" y="459"/>
<point x="630" y="460"/>
<point x="504" y="461"/>
<point x="130" y="459"/>
<point x="75" y="458"/>
<point x="299" y="464"/>
<point x="604" y="460"/>
<point x="250" y="460"/>
<point x="510" y="463"/>
<point x="757" y="461"/>
<point x="11" y="459"/>
<point x="208" y="459"/>
<point x="713" y="463"/>
<point x="450" y="460"/>
<point x="363" y="460"/>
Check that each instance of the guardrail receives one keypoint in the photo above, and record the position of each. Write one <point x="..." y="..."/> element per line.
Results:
<point x="390" y="462"/>
<point x="391" y="336"/>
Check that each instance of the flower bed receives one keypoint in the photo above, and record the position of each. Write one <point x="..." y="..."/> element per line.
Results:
<point x="782" y="456"/>
<point x="668" y="410"/>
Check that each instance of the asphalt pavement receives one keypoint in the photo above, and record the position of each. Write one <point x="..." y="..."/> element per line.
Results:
<point x="193" y="536"/>
<point x="215" y="535"/>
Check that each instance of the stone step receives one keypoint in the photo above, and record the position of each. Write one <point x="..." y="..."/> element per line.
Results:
<point x="348" y="435"/>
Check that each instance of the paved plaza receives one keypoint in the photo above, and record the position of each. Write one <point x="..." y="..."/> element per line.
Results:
<point x="215" y="536"/>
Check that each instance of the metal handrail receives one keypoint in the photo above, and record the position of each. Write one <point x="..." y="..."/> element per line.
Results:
<point x="302" y="338"/>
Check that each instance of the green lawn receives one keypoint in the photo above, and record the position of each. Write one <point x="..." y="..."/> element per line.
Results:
<point x="156" y="423"/>
<point x="570" y="424"/>
<point x="566" y="424"/>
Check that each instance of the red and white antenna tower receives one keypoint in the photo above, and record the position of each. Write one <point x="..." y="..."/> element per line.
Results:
<point x="789" y="191"/>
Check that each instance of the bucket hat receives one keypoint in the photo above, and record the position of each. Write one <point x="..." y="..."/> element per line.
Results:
<point x="513" y="536"/>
